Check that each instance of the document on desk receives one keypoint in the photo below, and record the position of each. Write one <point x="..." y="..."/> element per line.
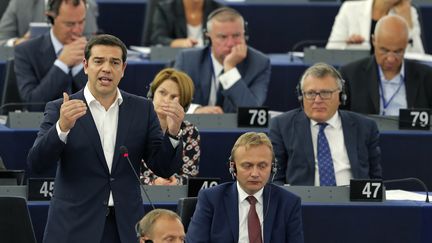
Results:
<point x="404" y="195"/>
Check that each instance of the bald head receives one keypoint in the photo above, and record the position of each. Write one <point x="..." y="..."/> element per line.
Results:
<point x="392" y="27"/>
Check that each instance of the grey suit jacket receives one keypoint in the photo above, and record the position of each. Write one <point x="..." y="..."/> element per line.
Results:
<point x="37" y="78"/>
<point x="250" y="90"/>
<point x="20" y="13"/>
<point x="216" y="217"/>
<point x="291" y="137"/>
<point x="362" y="85"/>
<point x="83" y="180"/>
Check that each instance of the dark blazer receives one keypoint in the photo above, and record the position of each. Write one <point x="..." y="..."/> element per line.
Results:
<point x="216" y="216"/>
<point x="38" y="79"/>
<point x="250" y="90"/>
<point x="291" y="137"/>
<point x="362" y="82"/>
<point x="78" y="209"/>
<point x="169" y="20"/>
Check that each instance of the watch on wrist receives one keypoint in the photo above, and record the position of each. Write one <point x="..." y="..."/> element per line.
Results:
<point x="177" y="136"/>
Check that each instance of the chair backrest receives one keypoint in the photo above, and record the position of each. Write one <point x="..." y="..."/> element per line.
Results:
<point x="15" y="222"/>
<point x="10" y="90"/>
<point x="185" y="209"/>
<point x="148" y="20"/>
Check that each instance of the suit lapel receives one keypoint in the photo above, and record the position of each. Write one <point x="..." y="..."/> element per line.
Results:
<point x="349" y="128"/>
<point x="371" y="78"/>
<point x="89" y="126"/>
<point x="123" y="125"/>
<point x="206" y="75"/>
<point x="231" y="210"/>
<point x="305" y="136"/>
<point x="269" y="213"/>
<point x="412" y="83"/>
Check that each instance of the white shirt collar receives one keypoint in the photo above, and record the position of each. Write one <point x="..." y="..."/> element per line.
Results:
<point x="56" y="43"/>
<point x="334" y="121"/>
<point x="401" y="73"/>
<point x="217" y="67"/>
<point x="242" y="195"/>
<point x="90" y="98"/>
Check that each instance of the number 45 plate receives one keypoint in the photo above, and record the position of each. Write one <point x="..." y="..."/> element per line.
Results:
<point x="371" y="190"/>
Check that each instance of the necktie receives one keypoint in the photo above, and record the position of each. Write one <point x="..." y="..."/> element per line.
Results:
<point x="69" y="88"/>
<point x="325" y="162"/>
<point x="219" y="96"/>
<point x="254" y="226"/>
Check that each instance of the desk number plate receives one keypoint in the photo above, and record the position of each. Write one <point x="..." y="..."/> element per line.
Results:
<point x="40" y="189"/>
<point x="366" y="190"/>
<point x="418" y="119"/>
<point x="252" y="117"/>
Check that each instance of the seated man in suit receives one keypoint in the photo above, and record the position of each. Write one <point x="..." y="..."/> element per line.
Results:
<point x="386" y="82"/>
<point x="319" y="144"/>
<point x="227" y="73"/>
<point x="249" y="209"/>
<point x="51" y="64"/>
<point x="161" y="225"/>
<point x="14" y="25"/>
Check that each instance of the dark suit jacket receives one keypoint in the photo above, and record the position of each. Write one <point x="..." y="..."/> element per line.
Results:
<point x="169" y="20"/>
<point x="83" y="181"/>
<point x="250" y="90"/>
<point x="38" y="79"/>
<point x="362" y="85"/>
<point x="291" y="137"/>
<point x="216" y="216"/>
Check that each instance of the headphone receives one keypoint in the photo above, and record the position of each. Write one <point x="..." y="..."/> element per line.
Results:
<point x="342" y="95"/>
<point x="50" y="8"/>
<point x="138" y="235"/>
<point x="233" y="169"/>
<point x="150" y="96"/>
<point x="216" y="12"/>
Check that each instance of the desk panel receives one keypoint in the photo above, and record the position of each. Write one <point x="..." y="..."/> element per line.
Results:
<point x="390" y="221"/>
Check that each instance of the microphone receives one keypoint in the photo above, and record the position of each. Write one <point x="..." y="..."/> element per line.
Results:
<point x="411" y="179"/>
<point x="125" y="154"/>
<point x="302" y="43"/>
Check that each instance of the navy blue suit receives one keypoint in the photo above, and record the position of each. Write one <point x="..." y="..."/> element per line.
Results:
<point x="216" y="216"/>
<point x="291" y="137"/>
<point x="38" y="79"/>
<point x="78" y="209"/>
<point x="250" y="90"/>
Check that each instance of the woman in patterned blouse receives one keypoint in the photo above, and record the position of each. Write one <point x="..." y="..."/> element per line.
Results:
<point x="167" y="85"/>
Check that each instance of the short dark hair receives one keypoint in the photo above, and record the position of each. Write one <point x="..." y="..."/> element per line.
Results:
<point x="105" y="40"/>
<point x="54" y="5"/>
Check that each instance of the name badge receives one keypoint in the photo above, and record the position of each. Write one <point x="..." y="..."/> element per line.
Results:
<point x="371" y="190"/>
<point x="40" y="189"/>
<point x="252" y="117"/>
<point x="414" y="119"/>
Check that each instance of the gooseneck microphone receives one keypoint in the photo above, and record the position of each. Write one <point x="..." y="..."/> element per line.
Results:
<point x="411" y="179"/>
<point x="125" y="154"/>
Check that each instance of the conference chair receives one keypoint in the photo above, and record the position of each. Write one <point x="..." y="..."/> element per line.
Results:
<point x="148" y="19"/>
<point x="10" y="90"/>
<point x="185" y="209"/>
<point x="15" y="222"/>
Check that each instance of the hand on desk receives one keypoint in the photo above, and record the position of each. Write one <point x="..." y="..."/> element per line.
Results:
<point x="22" y="39"/>
<point x="70" y="111"/>
<point x="355" y="39"/>
<point x="185" y="43"/>
<point x="172" y="181"/>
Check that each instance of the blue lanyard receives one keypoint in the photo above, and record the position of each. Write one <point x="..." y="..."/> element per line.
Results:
<point x="382" y="96"/>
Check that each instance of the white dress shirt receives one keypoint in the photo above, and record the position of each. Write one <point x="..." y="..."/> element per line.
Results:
<point x="335" y="138"/>
<point x="244" y="210"/>
<point x="394" y="93"/>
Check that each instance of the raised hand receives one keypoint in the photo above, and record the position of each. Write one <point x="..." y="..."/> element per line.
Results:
<point x="174" y="113"/>
<point x="73" y="53"/>
<point x="70" y="111"/>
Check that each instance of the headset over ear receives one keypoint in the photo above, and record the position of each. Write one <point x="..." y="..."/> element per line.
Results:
<point x="216" y="12"/>
<point x="342" y="95"/>
<point x="233" y="170"/>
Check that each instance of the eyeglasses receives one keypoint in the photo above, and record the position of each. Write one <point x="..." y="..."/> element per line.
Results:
<point x="323" y="94"/>
<point x="398" y="53"/>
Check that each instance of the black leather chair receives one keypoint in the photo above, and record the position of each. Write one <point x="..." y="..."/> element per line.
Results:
<point x="185" y="209"/>
<point x="148" y="19"/>
<point x="15" y="222"/>
<point x="10" y="91"/>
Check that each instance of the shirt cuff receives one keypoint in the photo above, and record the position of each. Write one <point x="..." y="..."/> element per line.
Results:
<point x="10" y="42"/>
<point x="62" y="135"/>
<point x="174" y="142"/>
<point x="192" y="108"/>
<point x="62" y="66"/>
<point x="76" y="69"/>
<point x="229" y="78"/>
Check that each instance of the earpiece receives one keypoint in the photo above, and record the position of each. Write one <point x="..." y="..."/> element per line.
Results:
<point x="343" y="97"/>
<point x="207" y="40"/>
<point x="50" y="11"/>
<point x="233" y="170"/>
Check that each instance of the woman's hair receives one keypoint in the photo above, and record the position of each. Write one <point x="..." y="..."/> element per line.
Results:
<point x="184" y="82"/>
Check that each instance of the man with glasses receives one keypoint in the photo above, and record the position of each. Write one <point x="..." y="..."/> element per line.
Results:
<point x="51" y="64"/>
<point x="319" y="145"/>
<point x="227" y="73"/>
<point x="386" y="82"/>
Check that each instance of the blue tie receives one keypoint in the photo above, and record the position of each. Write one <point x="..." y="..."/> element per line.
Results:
<point x="325" y="162"/>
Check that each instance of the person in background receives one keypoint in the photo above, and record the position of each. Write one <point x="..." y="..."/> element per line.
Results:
<point x="320" y="145"/>
<point x="168" y="85"/>
<point x="180" y="23"/>
<point x="386" y="82"/>
<point x="14" y="24"/>
<point x="356" y="21"/>
<point x="161" y="226"/>
<point x="227" y="73"/>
